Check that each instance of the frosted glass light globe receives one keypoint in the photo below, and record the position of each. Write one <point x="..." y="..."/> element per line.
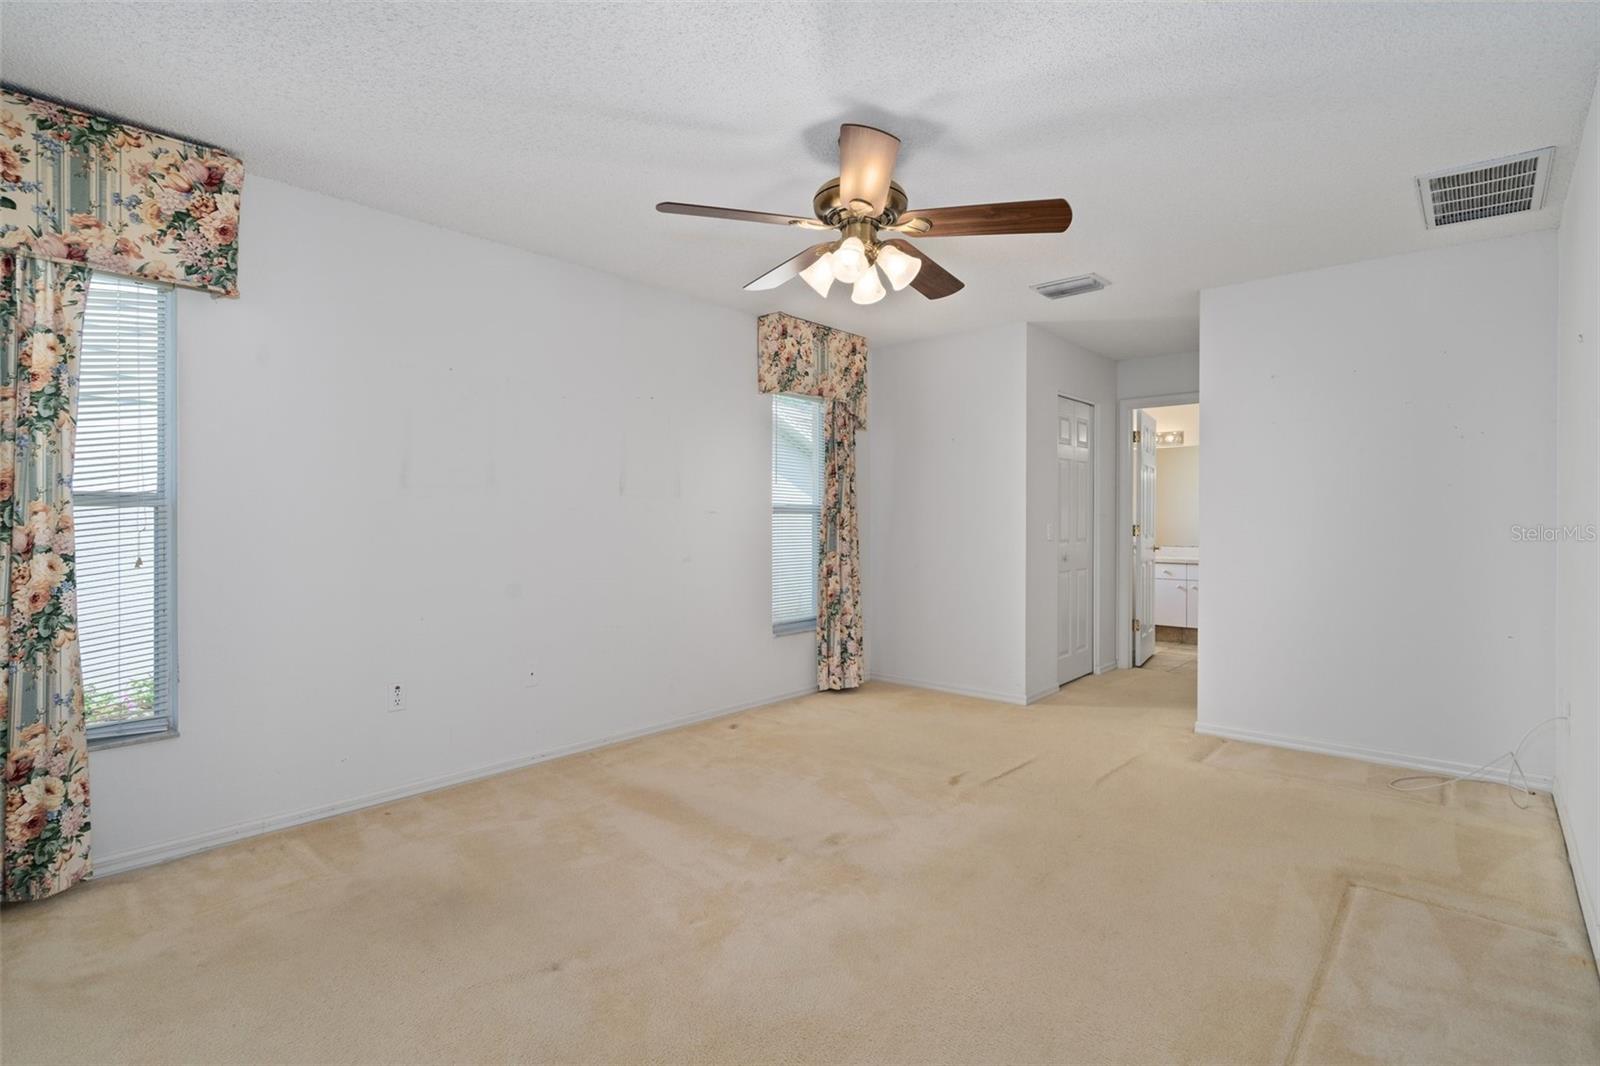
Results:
<point x="868" y="290"/>
<point x="819" y="275"/>
<point x="897" y="266"/>
<point x="850" y="260"/>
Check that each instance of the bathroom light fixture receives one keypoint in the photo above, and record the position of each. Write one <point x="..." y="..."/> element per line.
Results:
<point x="1170" y="436"/>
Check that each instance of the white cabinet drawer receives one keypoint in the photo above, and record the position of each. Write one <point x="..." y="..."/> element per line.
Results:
<point x="1171" y="571"/>
<point x="1172" y="606"/>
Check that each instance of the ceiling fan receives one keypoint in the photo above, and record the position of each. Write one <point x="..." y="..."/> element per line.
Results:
<point x="863" y="202"/>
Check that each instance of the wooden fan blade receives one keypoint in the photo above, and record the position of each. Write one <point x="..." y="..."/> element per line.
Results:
<point x="866" y="165"/>
<point x="667" y="207"/>
<point x="789" y="268"/>
<point x="1019" y="216"/>
<point x="933" y="280"/>
<point x="914" y="226"/>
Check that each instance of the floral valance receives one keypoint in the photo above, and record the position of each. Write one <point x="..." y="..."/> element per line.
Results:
<point x="81" y="188"/>
<point x="794" y="355"/>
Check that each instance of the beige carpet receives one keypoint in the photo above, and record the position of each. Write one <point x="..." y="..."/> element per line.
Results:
<point x="887" y="876"/>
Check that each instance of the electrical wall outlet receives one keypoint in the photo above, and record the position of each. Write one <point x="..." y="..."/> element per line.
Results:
<point x="397" y="698"/>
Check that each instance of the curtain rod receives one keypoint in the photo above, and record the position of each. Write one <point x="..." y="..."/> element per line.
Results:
<point x="48" y="98"/>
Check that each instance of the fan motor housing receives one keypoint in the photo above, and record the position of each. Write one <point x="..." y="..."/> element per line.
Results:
<point x="828" y="207"/>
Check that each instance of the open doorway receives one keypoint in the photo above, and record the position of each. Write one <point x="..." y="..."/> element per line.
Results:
<point x="1165" y="490"/>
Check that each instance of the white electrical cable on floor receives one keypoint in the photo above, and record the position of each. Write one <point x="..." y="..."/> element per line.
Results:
<point x="1404" y="784"/>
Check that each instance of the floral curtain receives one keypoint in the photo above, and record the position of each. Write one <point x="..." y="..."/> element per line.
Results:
<point x="840" y="660"/>
<point x="46" y="777"/>
<point x="809" y="359"/>
<point x="797" y="356"/>
<point x="81" y="188"/>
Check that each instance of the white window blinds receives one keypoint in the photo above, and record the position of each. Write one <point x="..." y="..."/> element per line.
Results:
<point x="797" y="456"/>
<point x="122" y="499"/>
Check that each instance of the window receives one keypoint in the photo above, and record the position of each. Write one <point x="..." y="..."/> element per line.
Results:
<point x="797" y="447"/>
<point x="122" y="483"/>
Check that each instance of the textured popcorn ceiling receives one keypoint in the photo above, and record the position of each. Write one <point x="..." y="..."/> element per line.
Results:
<point x="1199" y="145"/>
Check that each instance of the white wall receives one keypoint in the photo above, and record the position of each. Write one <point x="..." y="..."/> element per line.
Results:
<point x="1373" y="433"/>
<point x="942" y="479"/>
<point x="1158" y="375"/>
<point x="1058" y="368"/>
<point x="1578" y="507"/>
<point x="1178" y="496"/>
<point x="958" y="468"/>
<point x="412" y="456"/>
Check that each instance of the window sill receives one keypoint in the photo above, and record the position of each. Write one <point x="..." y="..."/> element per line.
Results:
<point x="124" y="736"/>
<point x="807" y="625"/>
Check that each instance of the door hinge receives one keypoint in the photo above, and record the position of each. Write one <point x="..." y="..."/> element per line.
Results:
<point x="1136" y="531"/>
<point x="1136" y="436"/>
<point x="1136" y="625"/>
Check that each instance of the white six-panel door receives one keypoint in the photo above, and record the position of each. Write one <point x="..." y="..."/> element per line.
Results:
<point x="1145" y="608"/>
<point x="1074" y="540"/>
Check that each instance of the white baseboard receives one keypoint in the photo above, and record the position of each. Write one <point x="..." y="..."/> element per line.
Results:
<point x="1103" y="668"/>
<point x="977" y="693"/>
<point x="122" y="862"/>
<point x="1347" y="751"/>
<point x="1576" y="859"/>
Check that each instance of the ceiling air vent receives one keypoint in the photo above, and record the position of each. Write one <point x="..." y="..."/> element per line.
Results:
<point x="1056" y="290"/>
<point x="1484" y="190"/>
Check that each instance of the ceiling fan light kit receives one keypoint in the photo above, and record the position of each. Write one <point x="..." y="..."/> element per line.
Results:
<point x="863" y="202"/>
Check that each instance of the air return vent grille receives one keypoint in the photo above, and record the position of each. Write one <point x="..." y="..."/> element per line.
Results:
<point x="1484" y="190"/>
<point x="1056" y="290"/>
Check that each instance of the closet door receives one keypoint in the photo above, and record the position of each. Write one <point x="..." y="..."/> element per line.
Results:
<point x="1074" y="540"/>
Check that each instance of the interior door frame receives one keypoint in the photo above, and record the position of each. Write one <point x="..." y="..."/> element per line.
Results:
<point x="1125" y="561"/>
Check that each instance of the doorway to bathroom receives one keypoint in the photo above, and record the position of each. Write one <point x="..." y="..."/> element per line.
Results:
<point x="1164" y="463"/>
